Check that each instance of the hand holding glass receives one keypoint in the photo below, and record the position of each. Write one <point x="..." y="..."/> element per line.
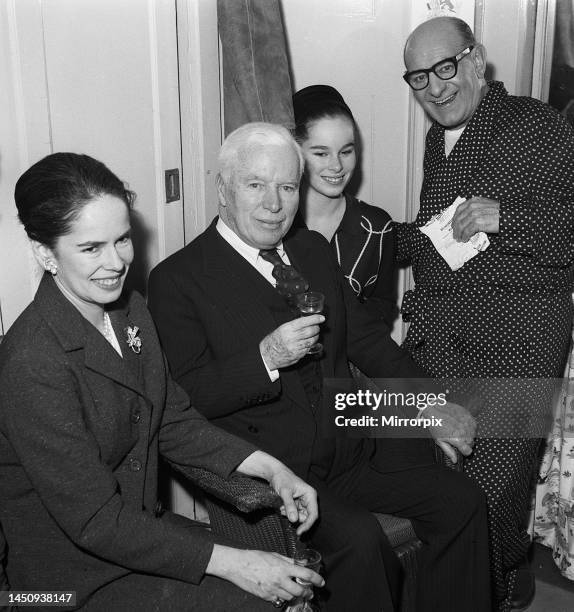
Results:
<point x="308" y="303"/>
<point x="311" y="559"/>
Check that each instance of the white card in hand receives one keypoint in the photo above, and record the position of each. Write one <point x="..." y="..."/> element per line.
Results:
<point x="439" y="230"/>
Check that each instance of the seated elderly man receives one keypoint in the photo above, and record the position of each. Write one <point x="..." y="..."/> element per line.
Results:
<point x="235" y="345"/>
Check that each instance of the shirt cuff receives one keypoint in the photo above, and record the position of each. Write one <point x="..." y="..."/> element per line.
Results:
<point x="273" y="374"/>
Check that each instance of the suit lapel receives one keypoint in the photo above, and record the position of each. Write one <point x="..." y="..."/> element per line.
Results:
<point x="100" y="359"/>
<point x="82" y="341"/>
<point x="126" y="369"/>
<point x="236" y="284"/>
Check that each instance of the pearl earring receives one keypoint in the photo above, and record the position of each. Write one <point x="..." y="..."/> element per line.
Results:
<point x="51" y="267"/>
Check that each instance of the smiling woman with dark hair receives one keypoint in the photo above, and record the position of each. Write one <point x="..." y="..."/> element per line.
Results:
<point x="87" y="409"/>
<point x="360" y="234"/>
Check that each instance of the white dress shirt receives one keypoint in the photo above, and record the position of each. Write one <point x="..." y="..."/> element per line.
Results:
<point x="251" y="255"/>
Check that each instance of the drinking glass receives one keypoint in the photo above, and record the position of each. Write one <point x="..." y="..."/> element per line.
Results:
<point x="308" y="303"/>
<point x="306" y="558"/>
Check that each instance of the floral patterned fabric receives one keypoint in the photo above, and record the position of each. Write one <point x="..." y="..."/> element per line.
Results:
<point x="554" y="502"/>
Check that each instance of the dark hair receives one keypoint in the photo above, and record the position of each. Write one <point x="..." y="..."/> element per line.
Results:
<point x="51" y="193"/>
<point x="316" y="102"/>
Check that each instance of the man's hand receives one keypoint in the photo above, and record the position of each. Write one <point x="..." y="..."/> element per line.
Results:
<point x="290" y="342"/>
<point x="475" y="215"/>
<point x="457" y="430"/>
<point x="299" y="498"/>
<point x="264" y="574"/>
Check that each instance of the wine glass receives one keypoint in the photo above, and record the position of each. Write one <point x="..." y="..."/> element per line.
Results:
<point x="305" y="558"/>
<point x="308" y="303"/>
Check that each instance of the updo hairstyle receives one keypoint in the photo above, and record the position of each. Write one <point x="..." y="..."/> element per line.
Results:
<point x="317" y="102"/>
<point x="51" y="194"/>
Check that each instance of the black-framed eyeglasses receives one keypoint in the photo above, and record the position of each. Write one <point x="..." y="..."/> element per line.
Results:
<point x="445" y="69"/>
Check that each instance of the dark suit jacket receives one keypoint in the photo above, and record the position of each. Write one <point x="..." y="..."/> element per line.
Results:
<point x="80" y="434"/>
<point x="212" y="310"/>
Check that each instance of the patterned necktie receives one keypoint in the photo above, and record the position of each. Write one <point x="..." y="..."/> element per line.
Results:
<point x="289" y="281"/>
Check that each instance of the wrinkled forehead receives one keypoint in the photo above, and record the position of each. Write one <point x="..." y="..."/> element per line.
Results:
<point x="268" y="158"/>
<point x="430" y="44"/>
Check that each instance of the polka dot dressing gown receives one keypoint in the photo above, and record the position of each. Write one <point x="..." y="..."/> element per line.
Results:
<point x="506" y="314"/>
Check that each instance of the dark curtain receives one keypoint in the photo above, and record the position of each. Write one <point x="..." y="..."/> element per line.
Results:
<point x="256" y="81"/>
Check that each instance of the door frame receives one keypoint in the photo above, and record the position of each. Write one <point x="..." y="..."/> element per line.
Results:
<point x="200" y="111"/>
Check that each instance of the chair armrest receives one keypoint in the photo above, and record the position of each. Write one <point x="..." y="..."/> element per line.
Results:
<point x="258" y="524"/>
<point x="242" y="492"/>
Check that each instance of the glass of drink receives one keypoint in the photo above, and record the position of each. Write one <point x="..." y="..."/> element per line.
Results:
<point x="308" y="303"/>
<point x="306" y="558"/>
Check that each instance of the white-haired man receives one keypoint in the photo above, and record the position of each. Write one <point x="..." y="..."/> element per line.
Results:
<point x="236" y="346"/>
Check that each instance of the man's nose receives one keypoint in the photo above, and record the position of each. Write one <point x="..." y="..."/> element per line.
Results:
<point x="436" y="86"/>
<point x="272" y="200"/>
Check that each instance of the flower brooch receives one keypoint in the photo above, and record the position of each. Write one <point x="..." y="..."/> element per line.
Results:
<point x="133" y="340"/>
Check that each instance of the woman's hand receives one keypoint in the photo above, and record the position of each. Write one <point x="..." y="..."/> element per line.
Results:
<point x="269" y="576"/>
<point x="299" y="498"/>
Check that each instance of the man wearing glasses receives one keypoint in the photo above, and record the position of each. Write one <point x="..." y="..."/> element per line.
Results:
<point x="507" y="312"/>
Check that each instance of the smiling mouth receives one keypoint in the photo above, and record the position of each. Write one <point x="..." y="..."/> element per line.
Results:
<point x="445" y="101"/>
<point x="108" y="283"/>
<point x="334" y="180"/>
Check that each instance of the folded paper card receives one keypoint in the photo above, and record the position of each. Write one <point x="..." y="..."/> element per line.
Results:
<point x="439" y="230"/>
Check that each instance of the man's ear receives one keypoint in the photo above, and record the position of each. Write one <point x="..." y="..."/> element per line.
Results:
<point x="220" y="184"/>
<point x="479" y="60"/>
<point x="42" y="253"/>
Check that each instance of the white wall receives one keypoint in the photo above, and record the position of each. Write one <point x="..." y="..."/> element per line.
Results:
<point x="356" y="46"/>
<point x="97" y="77"/>
<point x="17" y="270"/>
<point x="508" y="28"/>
